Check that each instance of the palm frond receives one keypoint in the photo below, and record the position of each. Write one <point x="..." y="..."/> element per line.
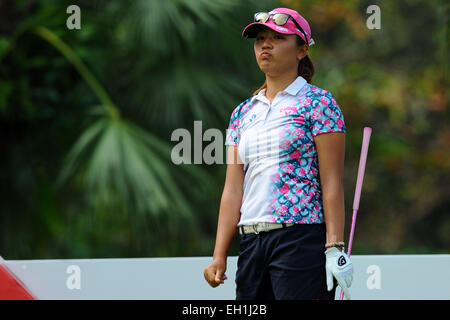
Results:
<point x="129" y="163"/>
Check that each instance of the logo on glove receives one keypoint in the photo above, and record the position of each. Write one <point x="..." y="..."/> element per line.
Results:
<point x="341" y="261"/>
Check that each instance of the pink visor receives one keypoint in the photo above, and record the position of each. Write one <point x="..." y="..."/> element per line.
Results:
<point x="289" y="27"/>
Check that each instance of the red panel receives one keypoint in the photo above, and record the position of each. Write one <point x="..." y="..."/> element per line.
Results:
<point x="12" y="288"/>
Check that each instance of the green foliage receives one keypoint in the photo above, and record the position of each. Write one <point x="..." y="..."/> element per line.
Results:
<point x="86" y="118"/>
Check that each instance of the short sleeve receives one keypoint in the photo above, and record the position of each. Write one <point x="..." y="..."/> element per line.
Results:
<point x="326" y="116"/>
<point x="233" y="135"/>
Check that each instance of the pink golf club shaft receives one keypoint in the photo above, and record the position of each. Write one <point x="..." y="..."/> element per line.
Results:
<point x="362" y="166"/>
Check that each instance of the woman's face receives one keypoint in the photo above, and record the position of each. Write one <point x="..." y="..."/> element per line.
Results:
<point x="278" y="53"/>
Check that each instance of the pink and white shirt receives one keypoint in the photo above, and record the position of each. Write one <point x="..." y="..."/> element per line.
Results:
<point x="276" y="144"/>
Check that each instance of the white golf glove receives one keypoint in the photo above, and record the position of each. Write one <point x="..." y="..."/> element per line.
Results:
<point x="339" y="265"/>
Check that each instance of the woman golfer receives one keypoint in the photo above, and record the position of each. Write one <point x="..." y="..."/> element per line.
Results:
<point x="283" y="187"/>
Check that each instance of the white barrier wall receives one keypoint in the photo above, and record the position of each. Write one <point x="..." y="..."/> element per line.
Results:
<point x="375" y="277"/>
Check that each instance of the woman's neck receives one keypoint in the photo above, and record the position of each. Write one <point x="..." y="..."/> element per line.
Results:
<point x="277" y="84"/>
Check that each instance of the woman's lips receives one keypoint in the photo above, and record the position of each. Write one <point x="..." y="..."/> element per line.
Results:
<point x="265" y="55"/>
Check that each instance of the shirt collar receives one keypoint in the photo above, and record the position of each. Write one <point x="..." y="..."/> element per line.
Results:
<point x="261" y="96"/>
<point x="292" y="89"/>
<point x="295" y="86"/>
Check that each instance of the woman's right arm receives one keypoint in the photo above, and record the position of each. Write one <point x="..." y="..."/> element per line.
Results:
<point x="230" y="204"/>
<point x="229" y="215"/>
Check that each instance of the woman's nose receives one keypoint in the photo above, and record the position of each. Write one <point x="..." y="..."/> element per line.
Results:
<point x="267" y="43"/>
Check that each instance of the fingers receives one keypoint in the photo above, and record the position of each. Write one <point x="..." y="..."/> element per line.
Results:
<point x="209" y="277"/>
<point x="213" y="283"/>
<point x="344" y="288"/>
<point x="347" y="294"/>
<point x="329" y="280"/>
<point x="214" y="276"/>
<point x="220" y="276"/>
<point x="348" y="281"/>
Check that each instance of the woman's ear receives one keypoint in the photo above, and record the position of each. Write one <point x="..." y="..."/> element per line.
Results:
<point x="302" y="52"/>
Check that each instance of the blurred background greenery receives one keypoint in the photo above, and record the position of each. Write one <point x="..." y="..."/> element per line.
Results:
<point x="86" y="118"/>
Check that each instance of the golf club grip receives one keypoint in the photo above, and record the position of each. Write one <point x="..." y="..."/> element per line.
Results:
<point x="362" y="166"/>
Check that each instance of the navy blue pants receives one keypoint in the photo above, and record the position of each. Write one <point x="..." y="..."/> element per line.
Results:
<point x="283" y="264"/>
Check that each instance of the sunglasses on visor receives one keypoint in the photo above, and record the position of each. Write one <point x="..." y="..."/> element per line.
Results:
<point x="279" y="19"/>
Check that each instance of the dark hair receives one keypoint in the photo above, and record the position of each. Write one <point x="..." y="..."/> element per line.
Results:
<point x="305" y="68"/>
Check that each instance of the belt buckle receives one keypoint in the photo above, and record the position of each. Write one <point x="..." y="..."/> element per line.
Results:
<point x="255" y="227"/>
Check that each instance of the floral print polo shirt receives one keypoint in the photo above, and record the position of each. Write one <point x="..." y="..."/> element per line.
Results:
<point x="276" y="146"/>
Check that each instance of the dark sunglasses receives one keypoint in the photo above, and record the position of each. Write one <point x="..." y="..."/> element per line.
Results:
<point x="279" y="19"/>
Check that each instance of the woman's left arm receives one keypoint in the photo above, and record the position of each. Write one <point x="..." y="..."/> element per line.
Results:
<point x="331" y="153"/>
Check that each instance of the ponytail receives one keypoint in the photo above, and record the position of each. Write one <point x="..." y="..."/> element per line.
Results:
<point x="306" y="69"/>
<point x="260" y="88"/>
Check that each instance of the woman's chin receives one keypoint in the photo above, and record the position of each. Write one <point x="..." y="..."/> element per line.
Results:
<point x="265" y="66"/>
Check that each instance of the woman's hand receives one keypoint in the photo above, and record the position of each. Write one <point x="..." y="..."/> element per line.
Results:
<point x="215" y="273"/>
<point x="339" y="265"/>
